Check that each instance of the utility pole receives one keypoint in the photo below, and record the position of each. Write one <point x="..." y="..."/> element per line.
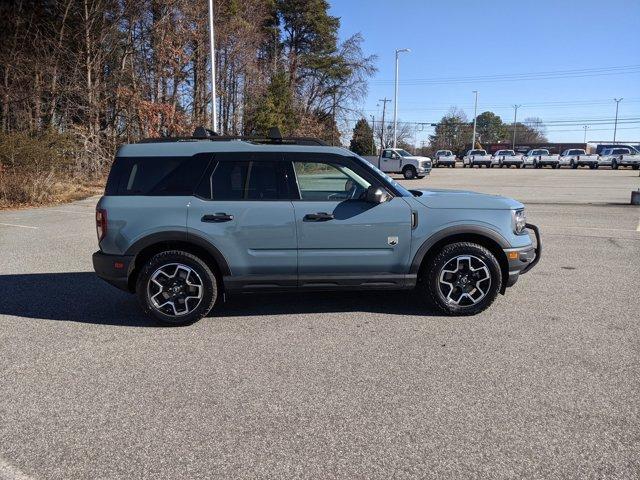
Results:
<point x="615" y="125"/>
<point x="515" y="120"/>
<point x="384" y="109"/>
<point x="585" y="136"/>
<point x="373" y="129"/>
<point x="214" y="111"/>
<point x="395" y="98"/>
<point x="475" y="117"/>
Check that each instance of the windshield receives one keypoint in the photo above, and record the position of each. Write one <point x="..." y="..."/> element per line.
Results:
<point x="403" y="191"/>
<point x="403" y="153"/>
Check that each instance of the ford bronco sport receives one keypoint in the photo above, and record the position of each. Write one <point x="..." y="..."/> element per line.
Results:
<point x="184" y="222"/>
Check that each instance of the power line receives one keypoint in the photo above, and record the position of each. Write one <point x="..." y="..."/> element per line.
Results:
<point x="559" y="104"/>
<point x="548" y="75"/>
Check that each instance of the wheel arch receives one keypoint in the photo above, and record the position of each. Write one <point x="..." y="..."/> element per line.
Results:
<point x="148" y="246"/>
<point x="491" y="240"/>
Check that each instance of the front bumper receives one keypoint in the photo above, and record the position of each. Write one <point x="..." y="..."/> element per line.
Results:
<point x="629" y="163"/>
<point x="521" y="260"/>
<point x="114" y="269"/>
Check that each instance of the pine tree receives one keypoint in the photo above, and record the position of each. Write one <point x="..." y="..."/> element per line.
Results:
<point x="275" y="109"/>
<point x="362" y="140"/>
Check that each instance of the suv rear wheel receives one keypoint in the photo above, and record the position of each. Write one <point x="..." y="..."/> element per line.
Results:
<point x="176" y="288"/>
<point x="463" y="279"/>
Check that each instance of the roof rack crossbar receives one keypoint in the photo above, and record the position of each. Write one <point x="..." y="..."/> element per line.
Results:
<point x="274" y="137"/>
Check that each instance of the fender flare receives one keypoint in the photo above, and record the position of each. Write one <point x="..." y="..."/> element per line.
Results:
<point x="181" y="236"/>
<point x="451" y="231"/>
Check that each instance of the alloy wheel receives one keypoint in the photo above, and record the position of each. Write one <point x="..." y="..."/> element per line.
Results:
<point x="175" y="289"/>
<point x="464" y="280"/>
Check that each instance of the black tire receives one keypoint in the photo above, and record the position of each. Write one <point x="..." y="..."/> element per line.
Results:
<point x="519" y="165"/>
<point x="209" y="288"/>
<point x="536" y="164"/>
<point x="596" y="166"/>
<point x="409" y="173"/>
<point x="636" y="167"/>
<point x="574" y="165"/>
<point x="436" y="292"/>
<point x="453" y="165"/>
<point x="593" y="167"/>
<point x="614" y="164"/>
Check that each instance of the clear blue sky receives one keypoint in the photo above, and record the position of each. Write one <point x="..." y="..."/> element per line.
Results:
<point x="455" y="38"/>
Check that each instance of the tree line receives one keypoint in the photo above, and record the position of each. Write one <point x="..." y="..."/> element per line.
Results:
<point x="105" y="72"/>
<point x="118" y="70"/>
<point x="453" y="132"/>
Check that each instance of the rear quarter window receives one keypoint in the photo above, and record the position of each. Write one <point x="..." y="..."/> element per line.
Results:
<point x="156" y="176"/>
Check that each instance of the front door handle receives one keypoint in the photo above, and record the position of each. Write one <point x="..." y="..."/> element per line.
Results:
<point x="318" y="217"/>
<point x="217" y="218"/>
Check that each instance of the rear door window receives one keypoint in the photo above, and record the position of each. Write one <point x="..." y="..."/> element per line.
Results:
<point x="246" y="179"/>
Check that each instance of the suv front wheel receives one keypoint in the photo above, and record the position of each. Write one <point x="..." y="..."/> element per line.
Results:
<point x="176" y="288"/>
<point x="463" y="279"/>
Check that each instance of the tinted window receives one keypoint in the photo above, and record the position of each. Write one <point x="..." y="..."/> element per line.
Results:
<point x="156" y="175"/>
<point x="248" y="180"/>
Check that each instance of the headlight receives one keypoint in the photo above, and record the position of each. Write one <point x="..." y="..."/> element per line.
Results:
<point x="519" y="221"/>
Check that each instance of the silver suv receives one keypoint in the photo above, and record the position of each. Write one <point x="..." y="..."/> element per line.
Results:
<point x="184" y="221"/>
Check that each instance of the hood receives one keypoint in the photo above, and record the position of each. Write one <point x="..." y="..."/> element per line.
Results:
<point x="434" y="198"/>
<point x="419" y="159"/>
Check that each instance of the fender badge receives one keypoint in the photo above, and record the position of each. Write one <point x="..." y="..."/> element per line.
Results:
<point x="393" y="241"/>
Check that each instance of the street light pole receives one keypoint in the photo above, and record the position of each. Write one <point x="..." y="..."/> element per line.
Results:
<point x="475" y="116"/>
<point x="615" y="125"/>
<point x="585" y="136"/>
<point x="515" y="119"/>
<point x="395" y="98"/>
<point x="214" y="110"/>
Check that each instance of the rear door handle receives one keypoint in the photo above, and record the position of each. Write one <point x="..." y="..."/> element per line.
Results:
<point x="318" y="217"/>
<point x="217" y="218"/>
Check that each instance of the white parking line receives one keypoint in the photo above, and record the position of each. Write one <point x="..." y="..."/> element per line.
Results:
<point x="70" y="211"/>
<point x="19" y="226"/>
<point x="596" y="228"/>
<point x="9" y="472"/>
<point x="638" y="229"/>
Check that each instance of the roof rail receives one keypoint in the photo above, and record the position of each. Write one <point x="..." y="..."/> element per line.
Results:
<point x="274" y="137"/>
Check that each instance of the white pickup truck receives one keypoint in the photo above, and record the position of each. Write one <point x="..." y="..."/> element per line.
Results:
<point x="476" y="157"/>
<point x="506" y="158"/>
<point x="577" y="157"/>
<point x="619" y="157"/>
<point x="444" y="158"/>
<point x="397" y="160"/>
<point x="539" y="157"/>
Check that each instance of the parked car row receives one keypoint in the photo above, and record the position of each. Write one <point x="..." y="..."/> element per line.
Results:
<point x="539" y="158"/>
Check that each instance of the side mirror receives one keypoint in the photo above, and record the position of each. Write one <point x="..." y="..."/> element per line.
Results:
<point x="376" y="195"/>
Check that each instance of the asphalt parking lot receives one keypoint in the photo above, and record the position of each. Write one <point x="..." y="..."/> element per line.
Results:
<point x="545" y="384"/>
